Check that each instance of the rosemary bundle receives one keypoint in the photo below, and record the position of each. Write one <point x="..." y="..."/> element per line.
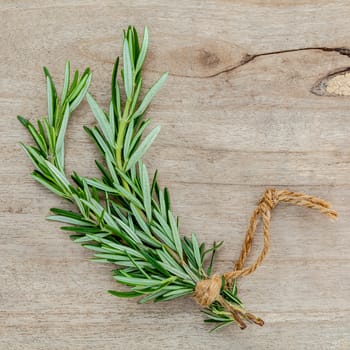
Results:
<point x="124" y="216"/>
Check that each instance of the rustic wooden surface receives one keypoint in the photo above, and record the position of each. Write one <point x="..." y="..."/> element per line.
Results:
<point x="243" y="109"/>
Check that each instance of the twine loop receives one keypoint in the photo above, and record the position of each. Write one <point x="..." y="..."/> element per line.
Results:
<point x="208" y="290"/>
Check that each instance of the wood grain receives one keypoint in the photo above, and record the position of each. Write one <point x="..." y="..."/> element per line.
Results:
<point x="238" y="114"/>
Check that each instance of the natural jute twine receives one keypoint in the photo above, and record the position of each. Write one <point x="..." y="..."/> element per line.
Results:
<point x="208" y="290"/>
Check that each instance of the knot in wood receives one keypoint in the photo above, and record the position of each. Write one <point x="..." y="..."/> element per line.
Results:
<point x="208" y="290"/>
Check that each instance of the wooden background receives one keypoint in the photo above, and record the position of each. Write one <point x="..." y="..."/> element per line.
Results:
<point x="240" y="112"/>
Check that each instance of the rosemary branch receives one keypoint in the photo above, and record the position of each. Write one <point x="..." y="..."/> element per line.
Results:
<point x="123" y="217"/>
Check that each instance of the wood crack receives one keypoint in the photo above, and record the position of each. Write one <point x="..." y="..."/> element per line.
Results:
<point x="249" y="58"/>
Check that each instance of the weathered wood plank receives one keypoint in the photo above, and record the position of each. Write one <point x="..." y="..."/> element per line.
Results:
<point x="238" y="114"/>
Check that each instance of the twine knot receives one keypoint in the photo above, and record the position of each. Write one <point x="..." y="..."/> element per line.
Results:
<point x="208" y="290"/>
<point x="269" y="199"/>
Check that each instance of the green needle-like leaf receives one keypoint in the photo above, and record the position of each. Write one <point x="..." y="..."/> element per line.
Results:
<point x="128" y="74"/>
<point x="60" y="139"/>
<point x="146" y="192"/>
<point x="149" y="96"/>
<point x="101" y="119"/>
<point x="142" y="149"/>
<point x="50" y="100"/>
<point x="143" y="51"/>
<point x="66" y="81"/>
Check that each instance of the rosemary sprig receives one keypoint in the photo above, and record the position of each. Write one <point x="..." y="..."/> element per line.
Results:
<point x="123" y="217"/>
